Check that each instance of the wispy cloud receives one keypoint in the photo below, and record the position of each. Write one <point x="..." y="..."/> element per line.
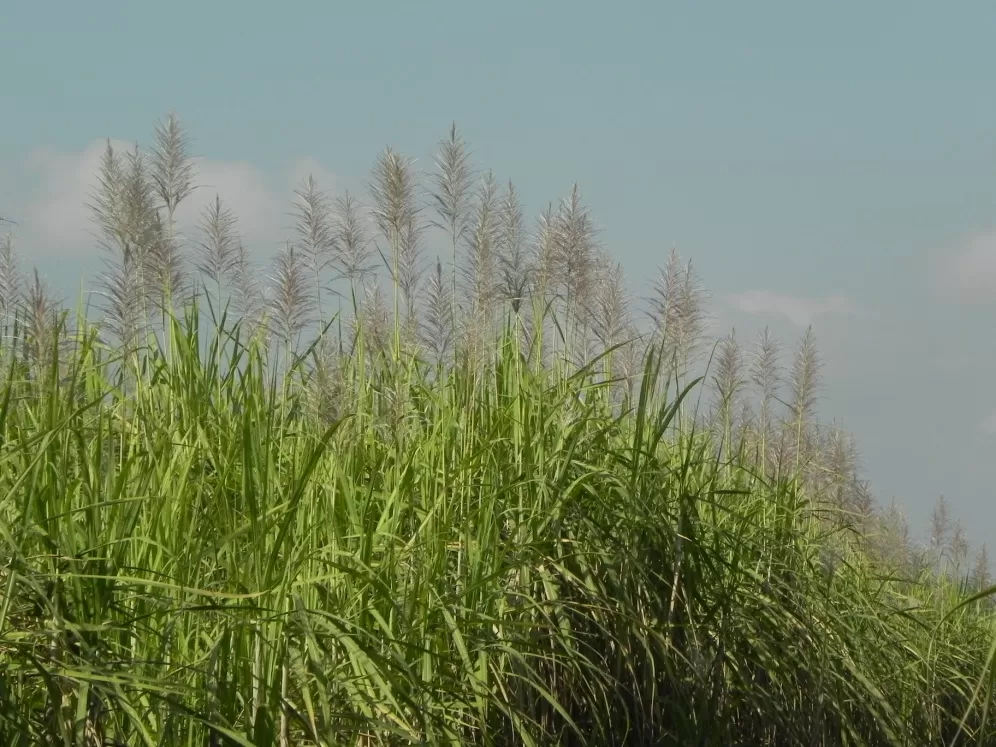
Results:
<point x="299" y="169"/>
<point x="988" y="426"/>
<point x="799" y="311"/>
<point x="47" y="193"/>
<point x="967" y="270"/>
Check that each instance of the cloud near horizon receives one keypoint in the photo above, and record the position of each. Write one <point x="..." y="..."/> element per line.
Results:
<point x="988" y="426"/>
<point x="48" y="191"/>
<point x="799" y="311"/>
<point x="967" y="271"/>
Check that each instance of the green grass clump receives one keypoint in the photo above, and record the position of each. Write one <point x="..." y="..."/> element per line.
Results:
<point x="498" y="554"/>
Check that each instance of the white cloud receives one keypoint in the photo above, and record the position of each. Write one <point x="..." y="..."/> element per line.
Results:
<point x="988" y="425"/>
<point x="259" y="206"/>
<point x="799" y="311"/>
<point x="300" y="168"/>
<point x="53" y="216"/>
<point x="47" y="192"/>
<point x="967" y="272"/>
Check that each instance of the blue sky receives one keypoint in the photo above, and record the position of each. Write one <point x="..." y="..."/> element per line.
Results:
<point x="833" y="163"/>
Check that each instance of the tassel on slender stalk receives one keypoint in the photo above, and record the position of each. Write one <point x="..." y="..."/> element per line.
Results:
<point x="315" y="237"/>
<point x="291" y="306"/>
<point x="352" y="246"/>
<point x="218" y="249"/>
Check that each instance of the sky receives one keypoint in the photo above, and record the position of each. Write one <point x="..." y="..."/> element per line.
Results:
<point x="831" y="164"/>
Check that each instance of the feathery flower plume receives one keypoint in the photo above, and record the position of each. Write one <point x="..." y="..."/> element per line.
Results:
<point x="291" y="307"/>
<point x="396" y="213"/>
<point x="218" y="249"/>
<point x="350" y="242"/>
<point x="315" y="237"/>
<point x="513" y="263"/>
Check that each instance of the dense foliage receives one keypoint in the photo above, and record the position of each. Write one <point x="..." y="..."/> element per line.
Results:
<point x="492" y="515"/>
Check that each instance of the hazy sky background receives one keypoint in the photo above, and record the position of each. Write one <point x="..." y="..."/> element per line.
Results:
<point x="831" y="163"/>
